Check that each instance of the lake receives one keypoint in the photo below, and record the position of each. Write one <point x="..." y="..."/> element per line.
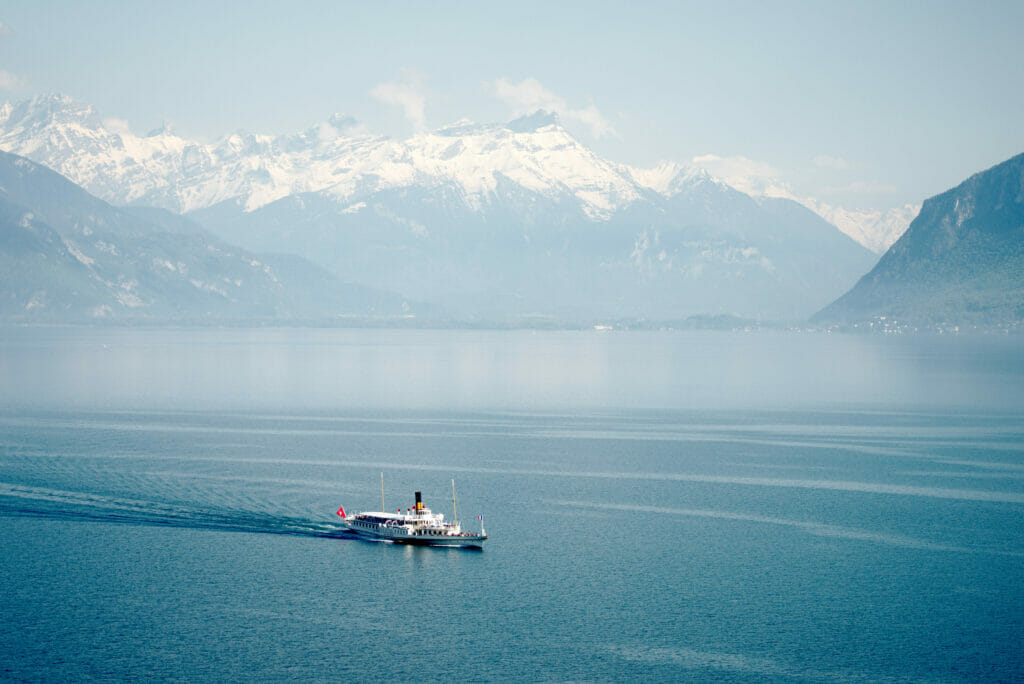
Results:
<point x="662" y="506"/>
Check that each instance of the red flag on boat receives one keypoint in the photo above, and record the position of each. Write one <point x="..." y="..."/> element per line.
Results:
<point x="341" y="512"/>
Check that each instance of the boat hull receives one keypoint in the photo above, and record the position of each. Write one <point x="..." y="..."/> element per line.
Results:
<point x="473" y="542"/>
<point x="400" y="535"/>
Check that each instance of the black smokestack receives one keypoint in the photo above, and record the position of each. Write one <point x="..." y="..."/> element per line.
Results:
<point x="419" y="502"/>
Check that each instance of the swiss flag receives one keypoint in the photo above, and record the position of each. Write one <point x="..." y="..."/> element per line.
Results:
<point x="341" y="512"/>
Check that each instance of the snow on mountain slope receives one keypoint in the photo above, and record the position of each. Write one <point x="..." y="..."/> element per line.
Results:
<point x="876" y="230"/>
<point x="337" y="156"/>
<point x="669" y="178"/>
<point x="658" y="178"/>
<point x="508" y="219"/>
<point x="534" y="152"/>
<point x="165" y="170"/>
<point x="68" y="256"/>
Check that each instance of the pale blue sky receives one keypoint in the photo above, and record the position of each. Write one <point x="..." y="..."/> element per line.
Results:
<point x="869" y="104"/>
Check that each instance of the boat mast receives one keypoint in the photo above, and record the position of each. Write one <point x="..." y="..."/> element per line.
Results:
<point x="455" y="513"/>
<point x="382" y="509"/>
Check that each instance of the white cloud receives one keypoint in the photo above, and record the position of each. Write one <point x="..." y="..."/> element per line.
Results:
<point x="529" y="95"/>
<point x="864" y="188"/>
<point x="118" y="126"/>
<point x="407" y="92"/>
<point x="761" y="178"/>
<point x="9" y="81"/>
<point x="824" y="161"/>
<point x="745" y="174"/>
<point x="599" y="126"/>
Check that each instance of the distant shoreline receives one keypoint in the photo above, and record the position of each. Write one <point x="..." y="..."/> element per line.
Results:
<point x="719" y="323"/>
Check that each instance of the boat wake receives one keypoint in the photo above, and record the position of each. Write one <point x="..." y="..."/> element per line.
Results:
<point x="55" y="504"/>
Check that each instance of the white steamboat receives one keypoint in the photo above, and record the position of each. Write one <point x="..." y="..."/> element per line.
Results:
<point x="416" y="526"/>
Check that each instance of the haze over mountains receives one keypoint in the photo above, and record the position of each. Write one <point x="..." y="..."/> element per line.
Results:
<point x="66" y="256"/>
<point x="500" y="222"/>
<point x="516" y="219"/>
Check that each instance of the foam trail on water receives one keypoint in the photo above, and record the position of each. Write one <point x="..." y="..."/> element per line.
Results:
<point x="22" y="500"/>
<point x="697" y="660"/>
<point x="815" y="528"/>
<point x="993" y="496"/>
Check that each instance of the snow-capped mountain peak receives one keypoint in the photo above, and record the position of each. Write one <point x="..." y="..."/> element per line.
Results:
<point x="658" y="178"/>
<point x="163" y="169"/>
<point x="165" y="129"/>
<point x="340" y="158"/>
<point x="533" y="122"/>
<point x="521" y="213"/>
<point x="42" y="110"/>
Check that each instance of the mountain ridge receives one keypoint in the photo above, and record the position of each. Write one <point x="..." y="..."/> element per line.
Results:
<point x="711" y="250"/>
<point x="517" y="219"/>
<point x="68" y="256"/>
<point x="163" y="169"/>
<point x="959" y="263"/>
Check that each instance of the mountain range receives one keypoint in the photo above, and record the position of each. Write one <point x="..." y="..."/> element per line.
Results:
<point x="515" y="221"/>
<point x="499" y="220"/>
<point x="163" y="169"/>
<point x="66" y="256"/>
<point x="960" y="263"/>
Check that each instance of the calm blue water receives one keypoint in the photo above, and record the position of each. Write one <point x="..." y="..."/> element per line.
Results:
<point x="661" y="506"/>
